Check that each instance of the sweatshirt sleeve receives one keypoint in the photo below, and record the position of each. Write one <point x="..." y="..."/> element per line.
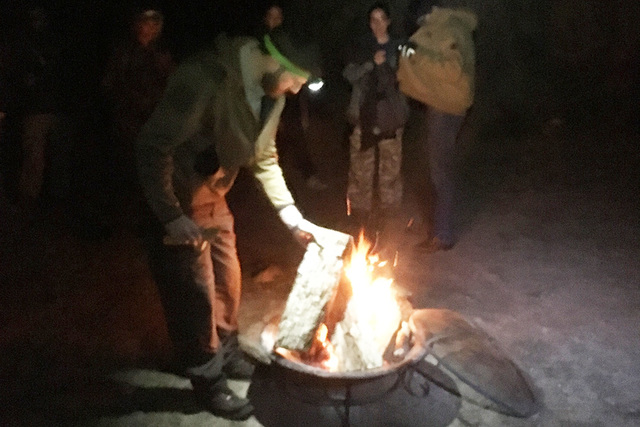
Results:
<point x="267" y="171"/>
<point x="176" y="118"/>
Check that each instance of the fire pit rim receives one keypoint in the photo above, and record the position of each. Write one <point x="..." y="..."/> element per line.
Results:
<point x="415" y="354"/>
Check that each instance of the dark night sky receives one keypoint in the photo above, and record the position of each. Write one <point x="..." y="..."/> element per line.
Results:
<point x="93" y="25"/>
<point x="90" y="28"/>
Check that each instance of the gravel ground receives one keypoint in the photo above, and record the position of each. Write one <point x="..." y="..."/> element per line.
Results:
<point x="547" y="263"/>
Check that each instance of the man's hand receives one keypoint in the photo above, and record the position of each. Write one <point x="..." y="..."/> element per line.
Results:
<point x="183" y="231"/>
<point x="305" y="233"/>
<point x="301" y="228"/>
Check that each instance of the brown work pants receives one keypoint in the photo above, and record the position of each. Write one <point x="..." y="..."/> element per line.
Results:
<point x="199" y="287"/>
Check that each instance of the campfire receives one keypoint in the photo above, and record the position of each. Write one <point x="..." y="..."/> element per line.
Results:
<point x="344" y="313"/>
<point x="350" y="346"/>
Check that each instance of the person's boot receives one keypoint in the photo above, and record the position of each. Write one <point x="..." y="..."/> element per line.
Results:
<point x="238" y="368"/>
<point x="220" y="400"/>
<point x="235" y="364"/>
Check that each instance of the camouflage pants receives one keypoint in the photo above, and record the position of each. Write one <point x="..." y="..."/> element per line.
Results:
<point x="360" y="189"/>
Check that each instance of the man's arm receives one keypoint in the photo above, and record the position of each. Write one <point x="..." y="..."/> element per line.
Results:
<point x="268" y="172"/>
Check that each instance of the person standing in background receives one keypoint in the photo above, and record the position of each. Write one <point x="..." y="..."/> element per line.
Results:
<point x="437" y="68"/>
<point x="136" y="75"/>
<point x="36" y="76"/>
<point x="272" y="18"/>
<point x="377" y="111"/>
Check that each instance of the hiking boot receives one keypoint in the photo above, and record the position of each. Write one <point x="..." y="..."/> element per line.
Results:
<point x="234" y="363"/>
<point x="238" y="367"/>
<point x="221" y="401"/>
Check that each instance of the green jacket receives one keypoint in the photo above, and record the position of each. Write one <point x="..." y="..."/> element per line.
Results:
<point x="204" y="118"/>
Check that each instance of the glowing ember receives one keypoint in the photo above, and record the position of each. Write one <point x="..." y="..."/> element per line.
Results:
<point x="321" y="353"/>
<point x="330" y="361"/>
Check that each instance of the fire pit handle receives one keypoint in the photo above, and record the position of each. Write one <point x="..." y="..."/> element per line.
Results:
<point x="415" y="385"/>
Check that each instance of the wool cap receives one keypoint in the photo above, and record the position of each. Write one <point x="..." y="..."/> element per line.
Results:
<point x="295" y="59"/>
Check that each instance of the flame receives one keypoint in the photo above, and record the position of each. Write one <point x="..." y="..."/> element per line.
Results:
<point x="369" y="287"/>
<point x="321" y="354"/>
<point x="330" y="362"/>
<point x="373" y="303"/>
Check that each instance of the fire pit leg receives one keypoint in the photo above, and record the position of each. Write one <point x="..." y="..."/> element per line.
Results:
<point x="343" y="402"/>
<point x="347" y="406"/>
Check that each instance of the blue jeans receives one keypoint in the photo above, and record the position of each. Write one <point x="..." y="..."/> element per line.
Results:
<point x="442" y="132"/>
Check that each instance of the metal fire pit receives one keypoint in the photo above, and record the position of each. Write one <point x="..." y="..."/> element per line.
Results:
<point x="320" y="386"/>
<point x="466" y="365"/>
<point x="290" y="393"/>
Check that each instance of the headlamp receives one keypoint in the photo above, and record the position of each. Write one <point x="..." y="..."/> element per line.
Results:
<point x="315" y="84"/>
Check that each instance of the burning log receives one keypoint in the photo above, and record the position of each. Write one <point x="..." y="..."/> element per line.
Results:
<point x="356" y="306"/>
<point x="371" y="317"/>
<point x="316" y="282"/>
<point x="359" y="341"/>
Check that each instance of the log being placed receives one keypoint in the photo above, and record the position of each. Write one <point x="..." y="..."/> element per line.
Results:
<point x="316" y="282"/>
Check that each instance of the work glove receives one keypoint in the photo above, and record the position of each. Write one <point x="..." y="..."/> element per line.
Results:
<point x="302" y="229"/>
<point x="183" y="231"/>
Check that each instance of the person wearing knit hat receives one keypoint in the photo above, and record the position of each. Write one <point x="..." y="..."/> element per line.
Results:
<point x="220" y="112"/>
<point x="292" y="137"/>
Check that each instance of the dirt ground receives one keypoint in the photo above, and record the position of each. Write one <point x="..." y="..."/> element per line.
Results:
<point x="547" y="263"/>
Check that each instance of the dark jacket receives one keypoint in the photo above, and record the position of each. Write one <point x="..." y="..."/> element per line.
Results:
<point x="204" y="120"/>
<point x="37" y="73"/>
<point x="376" y="104"/>
<point x="134" y="82"/>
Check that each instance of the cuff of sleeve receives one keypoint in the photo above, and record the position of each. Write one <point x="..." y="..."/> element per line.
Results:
<point x="291" y="216"/>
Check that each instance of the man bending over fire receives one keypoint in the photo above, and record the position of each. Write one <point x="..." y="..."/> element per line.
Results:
<point x="219" y="112"/>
